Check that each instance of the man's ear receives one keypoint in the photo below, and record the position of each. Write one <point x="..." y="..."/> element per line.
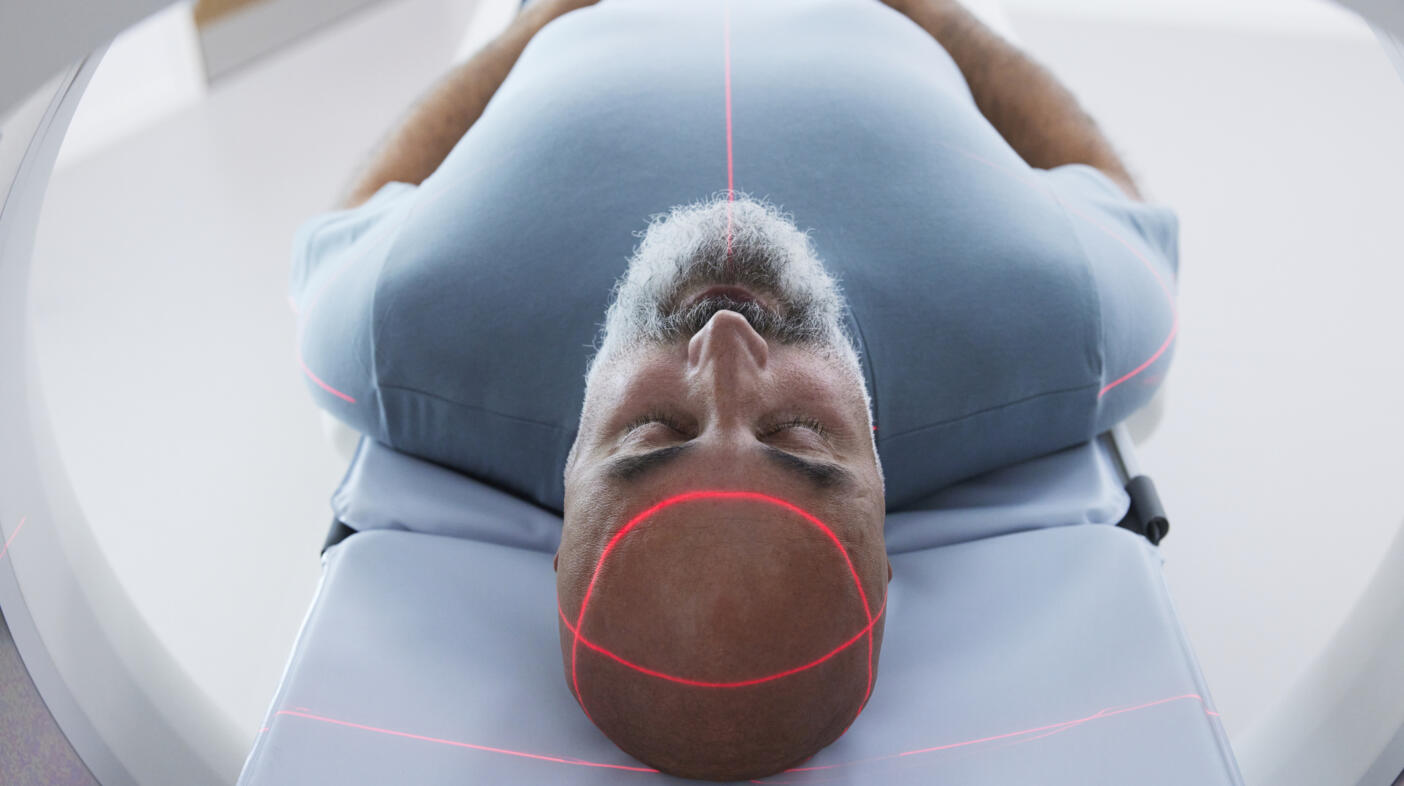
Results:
<point x="556" y="565"/>
<point x="889" y="570"/>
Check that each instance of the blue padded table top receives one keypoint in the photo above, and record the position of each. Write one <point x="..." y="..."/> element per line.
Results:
<point x="1049" y="656"/>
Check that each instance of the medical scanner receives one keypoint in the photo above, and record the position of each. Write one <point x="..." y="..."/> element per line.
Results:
<point x="1016" y="597"/>
<point x="1030" y="635"/>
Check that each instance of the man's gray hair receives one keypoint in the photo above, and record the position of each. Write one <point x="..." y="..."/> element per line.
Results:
<point x="742" y="242"/>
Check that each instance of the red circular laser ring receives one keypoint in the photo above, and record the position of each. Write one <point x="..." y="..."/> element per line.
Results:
<point x="693" y="496"/>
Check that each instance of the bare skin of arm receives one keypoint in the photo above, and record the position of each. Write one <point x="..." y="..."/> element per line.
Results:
<point x="421" y="141"/>
<point x="1034" y="113"/>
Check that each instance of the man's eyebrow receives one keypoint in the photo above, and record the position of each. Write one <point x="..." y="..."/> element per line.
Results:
<point x="819" y="474"/>
<point x="629" y="468"/>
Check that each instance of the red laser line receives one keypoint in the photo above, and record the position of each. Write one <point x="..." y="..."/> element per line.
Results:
<point x="1113" y="234"/>
<point x="306" y="313"/>
<point x="11" y="539"/>
<point x="739" y="684"/>
<point x="1099" y="714"/>
<point x="730" y="160"/>
<point x="1174" y="329"/>
<point x="317" y="379"/>
<point x="1164" y="288"/>
<point x="1041" y="731"/>
<point x="835" y="776"/>
<point x="728" y="495"/>
<point x="469" y="745"/>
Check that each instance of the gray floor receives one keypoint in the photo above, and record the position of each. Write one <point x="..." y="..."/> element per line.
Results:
<point x="33" y="751"/>
<point x="165" y="341"/>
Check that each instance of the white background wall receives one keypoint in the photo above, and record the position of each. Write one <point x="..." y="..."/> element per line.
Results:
<point x="1275" y="129"/>
<point x="1278" y="457"/>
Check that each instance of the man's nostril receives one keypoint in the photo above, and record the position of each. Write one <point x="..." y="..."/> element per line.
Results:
<point x="728" y="339"/>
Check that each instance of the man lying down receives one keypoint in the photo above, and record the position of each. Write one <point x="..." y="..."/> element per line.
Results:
<point x="829" y="238"/>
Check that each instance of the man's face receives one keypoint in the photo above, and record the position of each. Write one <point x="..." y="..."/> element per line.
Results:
<point x="727" y="409"/>
<point x="724" y="367"/>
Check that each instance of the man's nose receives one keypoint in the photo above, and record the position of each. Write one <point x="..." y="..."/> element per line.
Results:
<point x="728" y="351"/>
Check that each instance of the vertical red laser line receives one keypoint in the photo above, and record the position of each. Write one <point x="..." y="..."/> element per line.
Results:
<point x="730" y="159"/>
<point x="11" y="539"/>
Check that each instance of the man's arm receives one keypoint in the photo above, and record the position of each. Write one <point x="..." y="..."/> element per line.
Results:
<point x="424" y="137"/>
<point x="1034" y="113"/>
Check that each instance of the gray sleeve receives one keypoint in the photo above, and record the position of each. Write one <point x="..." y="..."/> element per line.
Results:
<point x="1132" y="253"/>
<point x="336" y="264"/>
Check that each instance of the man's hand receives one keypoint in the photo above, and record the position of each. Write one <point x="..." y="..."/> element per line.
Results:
<point x="1034" y="113"/>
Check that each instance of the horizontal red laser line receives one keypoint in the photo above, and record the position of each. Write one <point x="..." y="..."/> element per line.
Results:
<point x="1041" y="731"/>
<point x="1164" y="288"/>
<point x="468" y="745"/>
<point x="13" y="535"/>
<point x="1077" y="722"/>
<point x="738" y="684"/>
<point x="814" y="778"/>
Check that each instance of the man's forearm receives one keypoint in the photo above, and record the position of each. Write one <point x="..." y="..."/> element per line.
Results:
<point x="424" y="137"/>
<point x="1034" y="113"/>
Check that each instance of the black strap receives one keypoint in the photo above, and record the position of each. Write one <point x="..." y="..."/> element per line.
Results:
<point x="338" y="532"/>
<point x="1146" y="516"/>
